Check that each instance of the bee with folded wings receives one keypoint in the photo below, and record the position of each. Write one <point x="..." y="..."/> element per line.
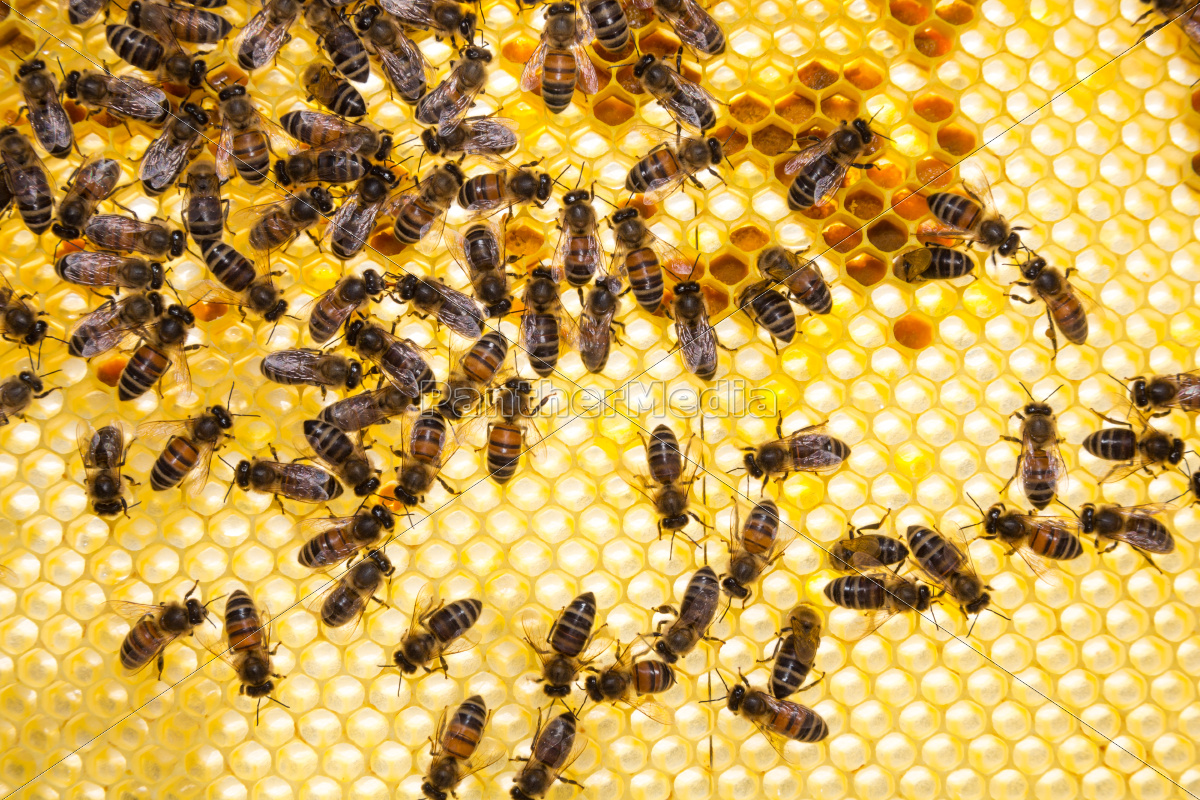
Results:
<point x="447" y="103"/>
<point x="274" y="226"/>
<point x="689" y="105"/>
<point x="342" y="605"/>
<point x="1040" y="465"/>
<point x="820" y="168"/>
<point x="668" y="166"/>
<point x="633" y="680"/>
<point x="560" y="63"/>
<point x="103" y="452"/>
<point x="544" y="328"/>
<point x="693" y="330"/>
<point x="457" y="752"/>
<point x="355" y="218"/>
<point x="247" y="138"/>
<point x="405" y="67"/>
<point x="1038" y="540"/>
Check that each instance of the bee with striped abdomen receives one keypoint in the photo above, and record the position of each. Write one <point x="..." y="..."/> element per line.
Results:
<point x="801" y="276"/>
<point x="596" y="321"/>
<point x="308" y="366"/>
<point x="544" y="328"/>
<point x="506" y="187"/>
<point x="17" y="392"/>
<point x="276" y="225"/>
<point x="568" y="648"/>
<point x="666" y="486"/>
<point x="400" y="360"/>
<point x="688" y="104"/>
<point x="246" y="138"/>
<point x="471" y="377"/>
<point x="578" y="253"/>
<point x="161" y="348"/>
<point x="439" y="17"/>
<point x="368" y="408"/>
<point x="437" y="630"/>
<point x="249" y="652"/>
<point x="431" y="297"/>
<point x="933" y="263"/>
<point x="419" y="209"/>
<point x="693" y="330"/>
<point x="155" y="627"/>
<point x="754" y="548"/>
<point x="1037" y="540"/>
<point x="447" y="103"/>
<point x="633" y="681"/>
<point x="694" y="26"/>
<point x="867" y="551"/>
<point x="81" y="12"/>
<point x="186" y="457"/>
<point x="131" y="235"/>
<point x="973" y="218"/>
<point x="204" y="211"/>
<point x="1136" y="526"/>
<point x="777" y="720"/>
<point x="355" y="218"/>
<point x="820" y="168"/>
<point x="181" y="140"/>
<point x="809" y="449"/>
<point x="108" y="270"/>
<point x="260" y="40"/>
<point x="156" y="50"/>
<point x="404" y="66"/>
<point x="1151" y="448"/>
<point x="662" y="171"/>
<point x="187" y="23"/>
<point x="457" y="751"/>
<point x="330" y="90"/>
<point x="338" y="40"/>
<point x="506" y="436"/>
<point x="241" y="284"/>
<point x="103" y="452"/>
<point x="555" y="747"/>
<point x="480" y="251"/>
<point x="473" y="136"/>
<point x="429" y="444"/>
<point x="303" y="483"/>
<point x="316" y="128"/>
<point x="326" y="164"/>
<point x="1040" y="464"/>
<point x="94" y="181"/>
<point x="881" y="593"/>
<point x="796" y="652"/>
<point x="770" y="310"/>
<point x="1065" y="306"/>
<point x="31" y="185"/>
<point x="112" y="323"/>
<point x="559" y="64"/>
<point x="1159" y="394"/>
<point x="124" y="97"/>
<point x="331" y="310"/>
<point x="334" y="539"/>
<point x="345" y="456"/>
<point x="47" y="119"/>
<point x="345" y="601"/>
<point x="639" y="257"/>
<point x="947" y="564"/>
<point x="18" y="319"/>
<point x="701" y="600"/>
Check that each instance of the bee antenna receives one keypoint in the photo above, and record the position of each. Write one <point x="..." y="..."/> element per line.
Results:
<point x="976" y="504"/>
<point x="1047" y="397"/>
<point x="1026" y="389"/>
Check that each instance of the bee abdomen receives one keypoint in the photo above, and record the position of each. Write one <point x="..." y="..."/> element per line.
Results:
<point x="1056" y="544"/>
<point x="858" y="592"/>
<point x="574" y="626"/>
<point x="141" y="372"/>
<point x="657" y="166"/>
<point x="802" y="194"/>
<point x="955" y="210"/>
<point x="800" y="723"/>
<point x="251" y="156"/>
<point x="505" y="442"/>
<point x="173" y="464"/>
<point x="1039" y="480"/>
<point x="772" y="311"/>
<point x="542" y="344"/>
<point x="455" y="619"/>
<point x="1112" y="444"/>
<point x="646" y="278"/>
<point x="558" y="80"/>
<point x="610" y="22"/>
<point x="231" y="268"/>
<point x="1071" y="318"/>
<point x="789" y="672"/>
<point x="135" y="47"/>
<point x="141" y="644"/>
<point x="413" y="222"/>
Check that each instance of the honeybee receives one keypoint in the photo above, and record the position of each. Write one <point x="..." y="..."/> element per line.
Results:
<point x="130" y="235"/>
<point x="123" y="97"/>
<point x="666" y="167"/>
<point x="689" y="105"/>
<point x="440" y="17"/>
<point x="693" y="331"/>
<point x="754" y="548"/>
<point x="331" y="310"/>
<point x="796" y="652"/>
<point x="480" y="251"/>
<point x="809" y="449"/>
<point x="556" y="746"/>
<point x="448" y="102"/>
<point x="369" y="408"/>
<point x="488" y="192"/>
<point x="97" y="270"/>
<point x="632" y="680"/>
<point x="472" y="375"/>
<point x="303" y="483"/>
<point x="155" y="627"/>
<point x="610" y="22"/>
<point x="1151" y="448"/>
<point x="596" y="320"/>
<point x="881" y="593"/>
<point x="802" y="277"/>
<point x="259" y="42"/>
<point x="638" y="257"/>
<point x="103" y="452"/>
<point x="1159" y="394"/>
<point x="204" y="211"/>
<point x="515" y="410"/>
<point x="777" y="720"/>
<point x="338" y="40"/>
<point x="311" y="367"/>
<point x="947" y="564"/>
<point x="1136" y="526"/>
<point x="81" y="12"/>
<point x="316" y="128"/>
<point x="457" y="751"/>
<point x="437" y="630"/>
<point x="864" y="551"/>
<point x="473" y="136"/>
<point x="417" y="210"/>
<point x="156" y="50"/>
<point x="249" y="652"/>
<point x="569" y="646"/>
<point x="544" y="329"/>
<point x="820" y="168"/>
<point x="276" y="225"/>
<point x="404" y="66"/>
<point x="974" y="218"/>
<point x="770" y="310"/>
<point x="49" y="121"/>
<point x="18" y="320"/>
<point x="449" y="307"/>
<point x="933" y="263"/>
<point x="31" y="185"/>
<point x="1040" y="464"/>
<point x="245" y="143"/>
<point x="560" y="63"/>
<point x="696" y="615"/>
<point x="241" y="285"/>
<point x="101" y="330"/>
<point x="186" y="22"/>
<point x="334" y="539"/>
<point x="180" y="142"/>
<point x="400" y="360"/>
<point x="1036" y="539"/>
<point x="189" y="448"/>
<point x="327" y="164"/>
<point x="94" y="181"/>
<point x="345" y="457"/>
<point x="345" y="601"/>
<point x="430" y="443"/>
<point x="666" y="486"/>
<point x="1065" y="307"/>
<point x="17" y="392"/>
<point x="329" y="89"/>
<point x="578" y="253"/>
<point x="691" y="23"/>
<point x="161" y="348"/>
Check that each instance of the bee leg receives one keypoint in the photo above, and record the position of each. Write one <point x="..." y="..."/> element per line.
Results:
<point x="1020" y="299"/>
<point x="570" y="781"/>
<point x="1050" y="334"/>
<point x="160" y="666"/>
<point x="814" y="683"/>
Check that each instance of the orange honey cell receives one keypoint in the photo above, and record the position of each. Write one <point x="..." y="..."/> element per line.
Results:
<point x="934" y="172"/>
<point x="109" y="371"/>
<point x="956" y="140"/>
<point x="772" y="140"/>
<point x="842" y="237"/>
<point x="863" y="204"/>
<point x="796" y="109"/>
<point x="207" y="312"/>
<point x="956" y="12"/>
<point x="863" y="74"/>
<point x="749" y="109"/>
<point x="729" y="269"/>
<point x="613" y="111"/>
<point x="866" y="269"/>
<point x="913" y="332"/>
<point x="909" y="12"/>
<point x="888" y="235"/>
<point x="932" y="43"/>
<point x="839" y="107"/>
<point x="933" y="107"/>
<point x="817" y="76"/>
<point x="748" y="238"/>
<point x="909" y="205"/>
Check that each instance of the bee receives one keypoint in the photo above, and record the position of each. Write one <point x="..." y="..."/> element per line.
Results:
<point x="266" y="32"/>
<point x="802" y="277"/>
<point x="1040" y="465"/>
<point x="204" y="211"/>
<point x="777" y="720"/>
<point x="1160" y="394"/>
<point x="156" y="52"/>
<point x="404" y="66"/>
<point x="328" y="164"/>
<point x="947" y="564"/>
<point x="1136" y="526"/>
<point x="345" y="602"/>
<point x="490" y="191"/>
<point x="797" y="652"/>
<point x="638" y="257"/>
<point x="696" y="615"/>
<point x="691" y="23"/>
<point x="569" y="646"/>
<point x="308" y="366"/>
<point x="27" y="178"/>
<point x="245" y="143"/>
<point x="186" y="23"/>
<point x="974" y="218"/>
<point x="168" y="155"/>
<point x="249" y="653"/>
<point x="123" y="97"/>
<point x="480" y="251"/>
<point x="241" y="285"/>
<point x="339" y="41"/>
<point x="49" y="121"/>
<point x="560" y="63"/>
<point x="881" y="593"/>
<point x="693" y="330"/>
<point x="770" y="310"/>
<point x="369" y="408"/>
<point x="103" y="452"/>
<point x="1036" y="539"/>
<point x="933" y="263"/>
<point x="81" y="12"/>
<point x="596" y="334"/>
<point x="345" y="456"/>
<point x="666" y="167"/>
<point x="417" y="210"/>
<point x="506" y="434"/>
<point x="276" y="225"/>
<point x="440" y="17"/>
<point x="666" y="480"/>
<point x="556" y="746"/>
<point x="542" y="323"/>
<point x="755" y="548"/>
<point x="863" y="551"/>
<point x="130" y="235"/>
<point x="437" y="630"/>
<point x="331" y="310"/>
<point x="189" y="448"/>
<point x="17" y="392"/>
<point x="578" y="253"/>
<point x="807" y="450"/>
<point x="94" y="181"/>
<point x="97" y="270"/>
<point x="109" y="325"/>
<point x="473" y="375"/>
<point x="316" y="128"/>
<point x="448" y="102"/>
<point x="449" y="307"/>
<point x="473" y="136"/>
<point x="610" y="23"/>
<point x="430" y="445"/>
<point x="1146" y="450"/>
<point x="155" y="627"/>
<point x="457" y="751"/>
<point x="631" y="680"/>
<point x="334" y="539"/>
<point x="820" y="168"/>
<point x="400" y="360"/>
<point x="18" y="320"/>
<point x="327" y="88"/>
<point x="161" y="348"/>
<point x="689" y="105"/>
<point x="303" y="483"/>
<point x="1065" y="308"/>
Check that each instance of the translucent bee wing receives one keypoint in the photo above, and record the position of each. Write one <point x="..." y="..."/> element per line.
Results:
<point x="587" y="80"/>
<point x="133" y="612"/>
<point x="531" y="75"/>
<point x="487" y="753"/>
<point x="652" y="709"/>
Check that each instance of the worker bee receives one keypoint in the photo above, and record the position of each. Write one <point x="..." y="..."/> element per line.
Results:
<point x="515" y="410"/>
<point x="457" y="751"/>
<point x="1065" y="308"/>
<point x="933" y="263"/>
<point x="345" y="457"/>
<point x="472" y="375"/>
<point x="369" y="408"/>
<point x="569" y="646"/>
<point x="430" y="443"/>
<point x="632" y="680"/>
<point x="161" y="348"/>
<point x="449" y="307"/>
<point x="1159" y="394"/>
<point x="693" y="331"/>
<point x="809" y="449"/>
<point x="259" y="42"/>
<point x="155" y="627"/>
<point x="204" y="211"/>
<point x="666" y="487"/>
<point x="689" y="105"/>
<point x="130" y="235"/>
<point x="241" y="285"/>
<point x="473" y="136"/>
<point x="96" y="270"/>
<point x="180" y="142"/>
<point x="103" y="452"/>
<point x="440" y="17"/>
<point x="881" y="593"/>
<point x="1036" y="539"/>
<point x="596" y="321"/>
<point x="338" y="40"/>
<point x="947" y="564"/>
<point x="31" y="185"/>
<point x="866" y="551"/>
<point x="329" y="89"/>
<point x="311" y="367"/>
<point x="331" y="310"/>
<point x="437" y="630"/>
<point x="560" y="63"/>
<point x="417" y="210"/>
<point x="448" y="102"/>
<point x="1151" y="448"/>
<point x="556" y="746"/>
<point x="1040" y="464"/>
<point x="49" y="121"/>
<point x="276" y="225"/>
<point x="344" y="603"/>
<point x="327" y="164"/>
<point x="578" y="253"/>
<point x="544" y="329"/>
<point x="696" y="614"/>
<point x="303" y="483"/>
<point x="400" y="360"/>
<point x="779" y="721"/>
<point x="770" y="310"/>
<point x="334" y="539"/>
<point x="639" y="257"/>
<point x="18" y="320"/>
<point x="249" y="652"/>
<point x="610" y="22"/>
<point x="974" y="218"/>
<point x="404" y="66"/>
<point x="156" y="50"/>
<point x="1136" y="526"/>
<point x="112" y="323"/>
<point x="820" y="168"/>
<point x="123" y="97"/>
<point x="480" y="251"/>
<point x="508" y="186"/>
<point x="246" y="138"/>
<point x="186" y="23"/>
<point x="81" y="12"/>
<point x="94" y="181"/>
<point x="754" y="548"/>
<point x="17" y="392"/>
<point x="189" y="448"/>
<point x="316" y="128"/>
<point x="694" y="26"/>
<point x="796" y="651"/>
<point x="802" y="277"/>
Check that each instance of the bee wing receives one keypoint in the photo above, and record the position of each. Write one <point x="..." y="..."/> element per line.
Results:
<point x="354" y="220"/>
<point x="162" y="430"/>
<point x="976" y="183"/>
<point x="1030" y="469"/>
<point x="815" y="459"/>
<point x="181" y="374"/>
<point x="648" y="137"/>
<point x="413" y="12"/>
<point x="453" y="112"/>
<point x="250" y="216"/>
<point x="1139" y="539"/>
<point x="205" y="25"/>
<point x="680" y="21"/>
<point x="261" y="39"/>
<point x="586" y="78"/>
<point x="594" y="249"/>
<point x="491" y="135"/>
<point x="1125" y="469"/>
<point x="681" y="104"/>
<point x="488" y="752"/>
<point x="405" y="58"/>
<point x="457" y="245"/>
<point x="1188" y="392"/>
<point x="24" y="178"/>
<point x="531" y="75"/>
<point x="423" y="605"/>
<point x="535" y="633"/>
<point x="460" y="644"/>
<point x="225" y="167"/>
<point x="1042" y="568"/>
<point x="807" y="156"/>
<point x="132" y="611"/>
<point x="652" y="709"/>
<point x="432" y="240"/>
<point x="109" y="338"/>
<point x="315" y="526"/>
<point x="660" y="188"/>
<point x="197" y="479"/>
<point x="697" y="343"/>
<point x="460" y="313"/>
<point x="84" y="434"/>
<point x="783" y="540"/>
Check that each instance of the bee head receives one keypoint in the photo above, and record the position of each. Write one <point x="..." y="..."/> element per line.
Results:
<point x="354" y="375"/>
<point x="242" y="474"/>
<point x="384" y="516"/>
<point x="642" y="65"/>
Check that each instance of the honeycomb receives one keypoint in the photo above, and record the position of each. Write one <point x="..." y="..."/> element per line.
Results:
<point x="1089" y="690"/>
